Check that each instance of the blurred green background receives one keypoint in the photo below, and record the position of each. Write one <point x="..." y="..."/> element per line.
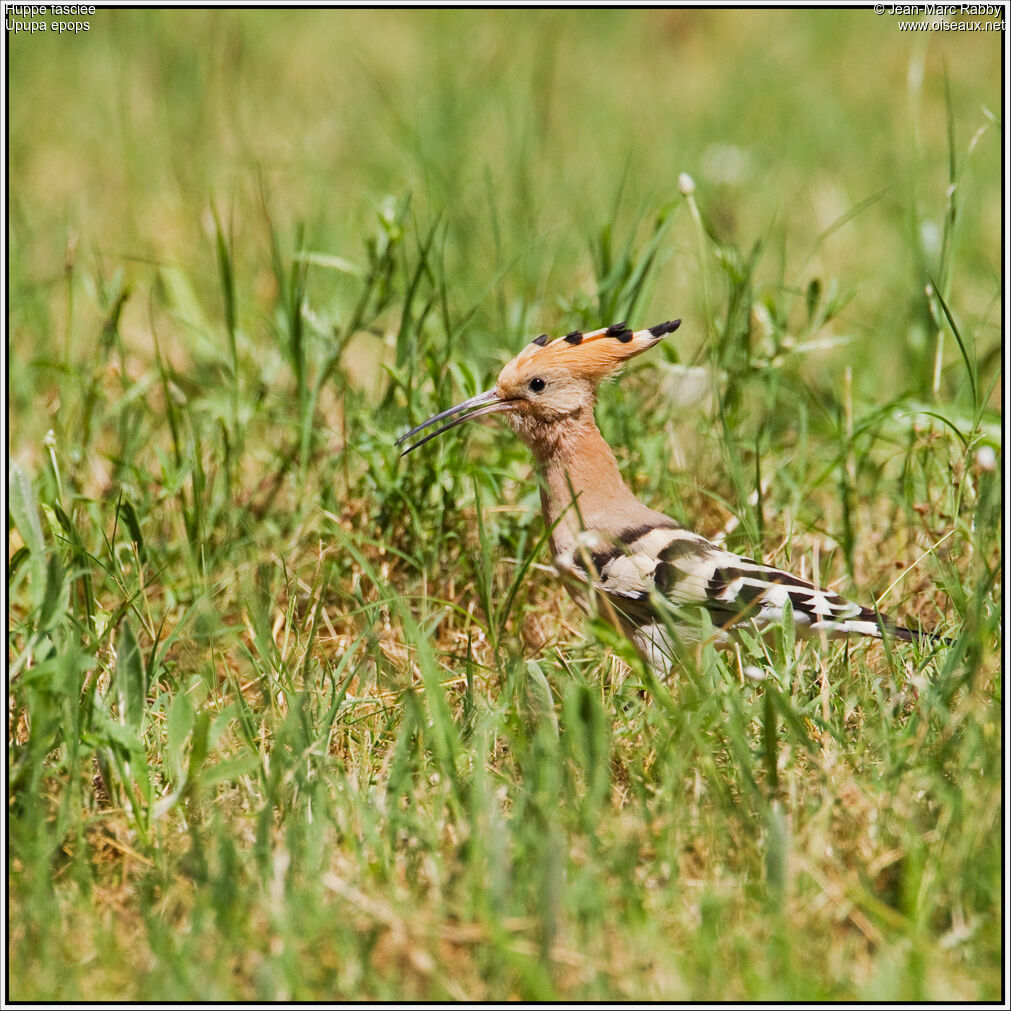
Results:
<point x="527" y="132"/>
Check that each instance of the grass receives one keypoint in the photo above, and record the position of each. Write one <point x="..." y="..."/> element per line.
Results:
<point x="290" y="718"/>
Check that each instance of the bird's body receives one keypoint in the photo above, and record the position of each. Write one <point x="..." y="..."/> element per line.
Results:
<point x="652" y="574"/>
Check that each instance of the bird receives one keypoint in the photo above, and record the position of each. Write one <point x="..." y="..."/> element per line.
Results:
<point x="655" y="578"/>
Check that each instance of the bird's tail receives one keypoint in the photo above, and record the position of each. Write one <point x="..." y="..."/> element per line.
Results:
<point x="870" y="622"/>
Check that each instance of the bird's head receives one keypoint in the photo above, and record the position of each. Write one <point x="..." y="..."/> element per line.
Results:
<point x="549" y="381"/>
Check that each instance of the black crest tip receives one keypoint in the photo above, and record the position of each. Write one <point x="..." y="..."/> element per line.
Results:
<point x="540" y="341"/>
<point x="616" y="329"/>
<point x="665" y="328"/>
<point x="573" y="338"/>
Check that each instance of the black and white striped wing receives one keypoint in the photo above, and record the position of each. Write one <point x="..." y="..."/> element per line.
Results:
<point x="693" y="573"/>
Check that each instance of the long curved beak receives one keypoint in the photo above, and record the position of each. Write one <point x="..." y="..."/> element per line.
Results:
<point x="488" y="402"/>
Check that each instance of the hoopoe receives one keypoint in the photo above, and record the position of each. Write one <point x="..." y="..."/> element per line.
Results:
<point x="605" y="541"/>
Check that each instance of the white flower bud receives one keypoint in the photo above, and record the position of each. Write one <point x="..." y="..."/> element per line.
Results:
<point x="986" y="458"/>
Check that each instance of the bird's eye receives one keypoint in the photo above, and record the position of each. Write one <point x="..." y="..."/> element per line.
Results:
<point x="537" y="384"/>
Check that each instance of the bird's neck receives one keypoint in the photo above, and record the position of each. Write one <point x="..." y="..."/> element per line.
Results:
<point x="582" y="488"/>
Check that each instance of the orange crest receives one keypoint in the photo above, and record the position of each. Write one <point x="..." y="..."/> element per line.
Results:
<point x="592" y="356"/>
